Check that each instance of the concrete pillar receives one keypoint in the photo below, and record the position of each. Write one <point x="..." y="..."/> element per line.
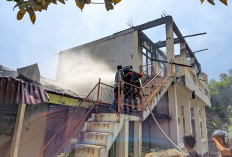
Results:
<point x="137" y="55"/>
<point x="197" y="126"/>
<point x="123" y="143"/>
<point x="182" y="59"/>
<point x="181" y="123"/>
<point x="183" y="50"/>
<point x="17" y="130"/>
<point x="204" y="127"/>
<point x="137" y="139"/>
<point x="169" y="42"/>
<point x="173" y="113"/>
<point x="203" y="122"/>
<point x="187" y="115"/>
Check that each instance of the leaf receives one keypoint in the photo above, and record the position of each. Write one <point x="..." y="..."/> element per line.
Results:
<point x="79" y="4"/>
<point x="39" y="8"/>
<point x="53" y="1"/>
<point x="109" y="6"/>
<point x="202" y="1"/>
<point x="43" y="3"/>
<point x="117" y="1"/>
<point x="224" y="1"/>
<point x="88" y="1"/>
<point x="20" y="14"/>
<point x="61" y="1"/>
<point x="32" y="15"/>
<point x="211" y="2"/>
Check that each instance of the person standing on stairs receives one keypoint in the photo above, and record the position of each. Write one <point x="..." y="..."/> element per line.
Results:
<point x="127" y="89"/>
<point x="136" y="91"/>
<point x="114" y="106"/>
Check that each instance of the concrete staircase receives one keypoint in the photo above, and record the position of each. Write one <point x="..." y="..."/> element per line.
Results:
<point x="101" y="130"/>
<point x="155" y="93"/>
<point x="99" y="134"/>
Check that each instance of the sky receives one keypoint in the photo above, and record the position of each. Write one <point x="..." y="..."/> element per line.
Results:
<point x="64" y="26"/>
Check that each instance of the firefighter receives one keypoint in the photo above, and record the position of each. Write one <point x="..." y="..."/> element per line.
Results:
<point x="127" y="88"/>
<point x="223" y="143"/>
<point x="114" y="106"/>
<point x="135" y="81"/>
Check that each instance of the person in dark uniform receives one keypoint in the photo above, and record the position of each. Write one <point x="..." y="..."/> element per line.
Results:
<point x="135" y="81"/>
<point x="127" y="88"/>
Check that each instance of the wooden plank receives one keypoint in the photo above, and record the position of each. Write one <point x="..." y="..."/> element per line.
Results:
<point x="62" y="100"/>
<point x="17" y="130"/>
<point x="154" y="23"/>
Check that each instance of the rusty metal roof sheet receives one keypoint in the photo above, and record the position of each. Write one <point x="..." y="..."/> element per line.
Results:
<point x="54" y="87"/>
<point x="15" y="91"/>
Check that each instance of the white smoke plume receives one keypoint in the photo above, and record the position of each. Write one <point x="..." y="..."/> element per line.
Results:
<point x="80" y="72"/>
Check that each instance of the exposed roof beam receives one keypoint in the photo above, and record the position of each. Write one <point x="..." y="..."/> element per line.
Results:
<point x="200" y="50"/>
<point x="177" y="40"/>
<point x="193" y="35"/>
<point x="180" y="36"/>
<point x="153" y="44"/>
<point x="154" y="23"/>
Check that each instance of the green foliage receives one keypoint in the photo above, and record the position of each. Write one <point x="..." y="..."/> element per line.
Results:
<point x="220" y="112"/>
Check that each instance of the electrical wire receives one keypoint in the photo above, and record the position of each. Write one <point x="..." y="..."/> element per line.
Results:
<point x="157" y="121"/>
<point x="97" y="3"/>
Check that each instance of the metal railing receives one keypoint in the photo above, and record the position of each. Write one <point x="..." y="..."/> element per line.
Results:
<point x="101" y="94"/>
<point x="130" y="96"/>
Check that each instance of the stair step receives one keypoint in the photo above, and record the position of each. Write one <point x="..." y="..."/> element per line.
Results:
<point x="87" y="150"/>
<point x="107" y="117"/>
<point x="100" y="126"/>
<point x="96" y="138"/>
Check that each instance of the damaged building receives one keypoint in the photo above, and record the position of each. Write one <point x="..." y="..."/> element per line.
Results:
<point x="174" y="87"/>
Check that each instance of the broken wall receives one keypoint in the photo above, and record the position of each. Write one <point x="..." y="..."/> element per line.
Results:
<point x="80" y="68"/>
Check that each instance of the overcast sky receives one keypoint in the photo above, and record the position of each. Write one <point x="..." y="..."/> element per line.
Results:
<point x="64" y="26"/>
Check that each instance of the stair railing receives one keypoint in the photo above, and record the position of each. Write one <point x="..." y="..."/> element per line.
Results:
<point x="128" y="94"/>
<point x="101" y="94"/>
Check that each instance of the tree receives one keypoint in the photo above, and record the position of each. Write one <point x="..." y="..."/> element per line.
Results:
<point x="212" y="1"/>
<point x="220" y="112"/>
<point x="31" y="6"/>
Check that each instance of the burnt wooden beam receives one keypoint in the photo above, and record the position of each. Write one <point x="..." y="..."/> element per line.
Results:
<point x="153" y="44"/>
<point x="180" y="36"/>
<point x="176" y="40"/>
<point x="154" y="23"/>
<point x="163" y="43"/>
<point x="200" y="50"/>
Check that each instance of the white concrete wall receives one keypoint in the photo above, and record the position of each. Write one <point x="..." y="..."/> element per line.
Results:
<point x="101" y="58"/>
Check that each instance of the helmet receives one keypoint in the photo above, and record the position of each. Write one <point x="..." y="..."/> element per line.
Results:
<point x="223" y="134"/>
<point x="127" y="68"/>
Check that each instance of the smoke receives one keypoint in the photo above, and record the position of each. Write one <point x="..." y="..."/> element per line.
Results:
<point x="80" y="72"/>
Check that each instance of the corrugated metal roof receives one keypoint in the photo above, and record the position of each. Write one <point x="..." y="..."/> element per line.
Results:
<point x="54" y="87"/>
<point x="15" y="91"/>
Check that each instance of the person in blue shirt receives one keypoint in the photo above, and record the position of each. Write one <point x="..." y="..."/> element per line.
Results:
<point x="114" y="106"/>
